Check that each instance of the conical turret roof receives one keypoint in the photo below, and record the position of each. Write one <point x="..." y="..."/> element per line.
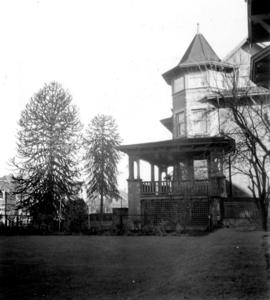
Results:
<point x="199" y="51"/>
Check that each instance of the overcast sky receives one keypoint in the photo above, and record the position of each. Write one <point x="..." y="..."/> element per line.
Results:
<point x="109" y="54"/>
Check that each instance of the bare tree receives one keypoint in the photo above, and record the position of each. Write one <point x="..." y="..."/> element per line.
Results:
<point x="246" y="115"/>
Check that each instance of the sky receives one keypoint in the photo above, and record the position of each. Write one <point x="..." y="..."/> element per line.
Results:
<point x="110" y="55"/>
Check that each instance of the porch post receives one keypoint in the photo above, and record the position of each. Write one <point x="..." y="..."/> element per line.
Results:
<point x="222" y="162"/>
<point x="5" y="203"/>
<point x="131" y="167"/>
<point x="191" y="174"/>
<point x="134" y="191"/>
<point x="159" y="173"/>
<point x="210" y="166"/>
<point x="152" y="172"/>
<point x="138" y="168"/>
<point x="177" y="172"/>
<point x="230" y="178"/>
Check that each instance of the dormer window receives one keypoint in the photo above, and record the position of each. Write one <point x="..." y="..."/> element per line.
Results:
<point x="178" y="84"/>
<point x="180" y="124"/>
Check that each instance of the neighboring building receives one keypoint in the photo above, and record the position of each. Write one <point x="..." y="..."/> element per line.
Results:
<point x="10" y="213"/>
<point x="240" y="57"/>
<point x="7" y="201"/>
<point x="109" y="204"/>
<point x="260" y="68"/>
<point x="114" y="212"/>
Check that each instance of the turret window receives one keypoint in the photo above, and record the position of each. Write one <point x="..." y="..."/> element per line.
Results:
<point x="197" y="80"/>
<point x="178" y="84"/>
<point x="199" y="118"/>
<point x="180" y="124"/>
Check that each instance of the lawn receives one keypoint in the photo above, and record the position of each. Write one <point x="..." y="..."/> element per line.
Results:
<point x="226" y="264"/>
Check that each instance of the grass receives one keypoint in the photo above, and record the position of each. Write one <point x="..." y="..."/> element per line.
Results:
<point x="226" y="264"/>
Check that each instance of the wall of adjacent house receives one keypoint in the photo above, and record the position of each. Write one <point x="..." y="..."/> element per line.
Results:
<point x="241" y="58"/>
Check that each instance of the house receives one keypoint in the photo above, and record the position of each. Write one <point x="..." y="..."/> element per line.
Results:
<point x="10" y="213"/>
<point x="188" y="183"/>
<point x="192" y="195"/>
<point x="7" y="201"/>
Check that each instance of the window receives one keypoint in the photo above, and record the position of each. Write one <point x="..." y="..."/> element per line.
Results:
<point x="199" y="118"/>
<point x="200" y="169"/>
<point x="197" y="80"/>
<point x="180" y="124"/>
<point x="178" y="84"/>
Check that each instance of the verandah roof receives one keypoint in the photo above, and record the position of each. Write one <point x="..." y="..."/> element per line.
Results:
<point x="170" y="151"/>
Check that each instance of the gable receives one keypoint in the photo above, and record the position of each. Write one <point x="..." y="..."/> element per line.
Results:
<point x="241" y="53"/>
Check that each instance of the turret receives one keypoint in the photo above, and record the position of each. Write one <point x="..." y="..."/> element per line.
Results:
<point x="199" y="71"/>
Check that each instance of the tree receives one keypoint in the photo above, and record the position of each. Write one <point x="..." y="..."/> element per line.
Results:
<point x="48" y="139"/>
<point x="252" y="136"/>
<point x="101" y="158"/>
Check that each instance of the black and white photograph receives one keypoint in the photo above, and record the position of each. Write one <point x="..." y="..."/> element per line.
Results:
<point x="135" y="149"/>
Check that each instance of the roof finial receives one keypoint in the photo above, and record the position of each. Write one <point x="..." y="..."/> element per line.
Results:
<point x="198" y="28"/>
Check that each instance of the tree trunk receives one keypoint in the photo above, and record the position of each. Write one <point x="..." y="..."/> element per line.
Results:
<point x="101" y="210"/>
<point x="264" y="214"/>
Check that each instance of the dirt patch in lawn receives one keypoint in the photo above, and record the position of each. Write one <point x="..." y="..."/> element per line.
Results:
<point x="226" y="264"/>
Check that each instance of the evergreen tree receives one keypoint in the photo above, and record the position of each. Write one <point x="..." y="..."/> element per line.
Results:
<point x="48" y="139"/>
<point x="101" y="158"/>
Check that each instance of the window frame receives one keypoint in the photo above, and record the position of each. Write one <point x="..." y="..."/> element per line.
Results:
<point x="182" y="85"/>
<point x="180" y="126"/>
<point x="195" y="76"/>
<point x="183" y="171"/>
<point x="199" y="122"/>
<point x="203" y="168"/>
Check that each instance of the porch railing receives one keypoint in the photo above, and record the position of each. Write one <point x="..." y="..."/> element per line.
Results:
<point x="198" y="188"/>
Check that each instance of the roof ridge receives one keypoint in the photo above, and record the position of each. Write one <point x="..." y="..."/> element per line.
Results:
<point x="199" y="50"/>
<point x="200" y="39"/>
<point x="233" y="51"/>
